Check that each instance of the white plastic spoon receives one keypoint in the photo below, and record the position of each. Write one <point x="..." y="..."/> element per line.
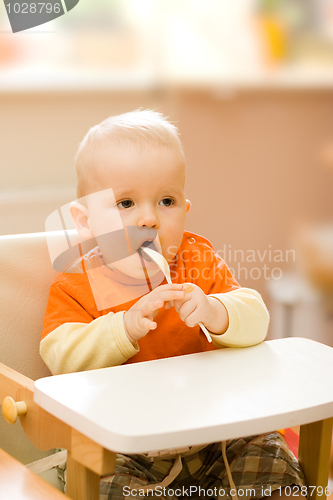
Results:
<point x="161" y="262"/>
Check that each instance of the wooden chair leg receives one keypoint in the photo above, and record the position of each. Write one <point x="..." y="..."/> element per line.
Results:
<point x="82" y="483"/>
<point x="314" y="456"/>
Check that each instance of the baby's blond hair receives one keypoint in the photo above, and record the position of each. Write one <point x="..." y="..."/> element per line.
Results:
<point x="142" y="128"/>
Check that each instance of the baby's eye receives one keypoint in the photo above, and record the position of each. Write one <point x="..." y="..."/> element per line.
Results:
<point x="125" y="204"/>
<point x="167" y="202"/>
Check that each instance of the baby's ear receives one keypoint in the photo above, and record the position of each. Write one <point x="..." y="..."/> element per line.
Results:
<point x="188" y="205"/>
<point x="80" y="216"/>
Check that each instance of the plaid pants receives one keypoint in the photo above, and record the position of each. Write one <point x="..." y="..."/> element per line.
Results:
<point x="259" y="465"/>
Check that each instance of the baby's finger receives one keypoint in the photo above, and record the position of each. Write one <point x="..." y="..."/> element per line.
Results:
<point x="170" y="295"/>
<point x="186" y="310"/>
<point x="169" y="305"/>
<point x="168" y="286"/>
<point x="147" y="324"/>
<point x="178" y="303"/>
<point x="152" y="306"/>
<point x="190" y="320"/>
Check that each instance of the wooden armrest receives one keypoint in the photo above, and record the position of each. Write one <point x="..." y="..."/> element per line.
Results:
<point x="44" y="430"/>
<point x="19" y="483"/>
<point x="11" y="381"/>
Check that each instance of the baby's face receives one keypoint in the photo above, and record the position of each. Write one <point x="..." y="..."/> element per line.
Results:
<point x="148" y="192"/>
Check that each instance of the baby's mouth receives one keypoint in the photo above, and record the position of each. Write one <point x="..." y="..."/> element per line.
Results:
<point x="142" y="253"/>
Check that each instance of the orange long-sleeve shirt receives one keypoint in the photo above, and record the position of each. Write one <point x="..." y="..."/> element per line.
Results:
<point x="72" y="307"/>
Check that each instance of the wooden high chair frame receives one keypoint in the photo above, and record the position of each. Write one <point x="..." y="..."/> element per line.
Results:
<point x="89" y="459"/>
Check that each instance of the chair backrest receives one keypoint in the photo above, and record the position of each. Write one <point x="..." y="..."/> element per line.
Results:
<point x="25" y="277"/>
<point x="26" y="274"/>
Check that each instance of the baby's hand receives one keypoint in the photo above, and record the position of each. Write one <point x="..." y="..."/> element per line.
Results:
<point x="138" y="319"/>
<point x="196" y="307"/>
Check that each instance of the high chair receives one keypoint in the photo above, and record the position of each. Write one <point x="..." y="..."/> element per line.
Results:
<point x="17" y="482"/>
<point x="25" y="277"/>
<point x="290" y="380"/>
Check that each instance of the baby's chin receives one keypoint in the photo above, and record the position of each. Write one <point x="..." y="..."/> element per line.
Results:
<point x="132" y="266"/>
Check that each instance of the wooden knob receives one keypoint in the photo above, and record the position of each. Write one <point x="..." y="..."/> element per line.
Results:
<point x="11" y="410"/>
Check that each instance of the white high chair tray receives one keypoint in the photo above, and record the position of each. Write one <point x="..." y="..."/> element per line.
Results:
<point x="195" y="399"/>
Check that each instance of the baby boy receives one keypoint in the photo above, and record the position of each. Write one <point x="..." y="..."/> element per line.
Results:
<point x="131" y="174"/>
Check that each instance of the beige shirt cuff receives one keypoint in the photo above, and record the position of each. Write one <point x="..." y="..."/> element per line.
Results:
<point x="248" y="318"/>
<point x="74" y="347"/>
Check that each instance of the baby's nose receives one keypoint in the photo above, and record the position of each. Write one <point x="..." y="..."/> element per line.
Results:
<point x="149" y="218"/>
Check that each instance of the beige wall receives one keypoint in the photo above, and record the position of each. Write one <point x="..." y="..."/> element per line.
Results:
<point x="255" y="172"/>
<point x="40" y="132"/>
<point x="253" y="162"/>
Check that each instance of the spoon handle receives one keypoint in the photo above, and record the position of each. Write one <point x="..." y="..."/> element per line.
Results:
<point x="206" y="332"/>
<point x="157" y="258"/>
